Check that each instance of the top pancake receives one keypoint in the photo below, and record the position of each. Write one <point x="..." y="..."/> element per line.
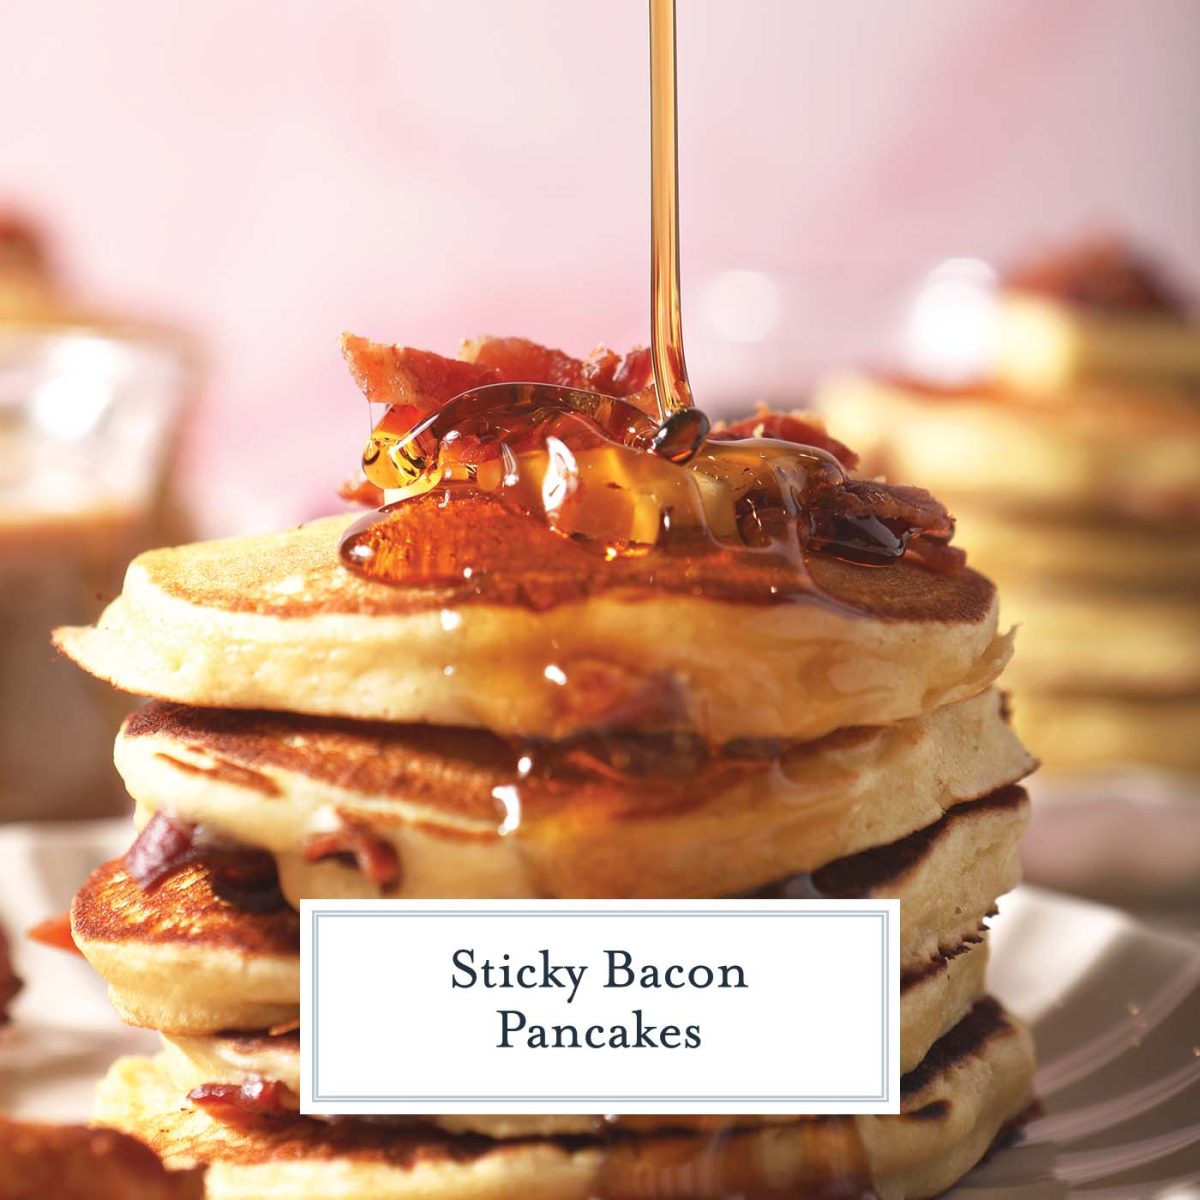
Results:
<point x="276" y="622"/>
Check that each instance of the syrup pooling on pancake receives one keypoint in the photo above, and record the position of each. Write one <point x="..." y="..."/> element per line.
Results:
<point x="601" y="472"/>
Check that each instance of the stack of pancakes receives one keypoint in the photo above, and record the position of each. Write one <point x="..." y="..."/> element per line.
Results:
<point x="318" y="734"/>
<point x="1074" y="474"/>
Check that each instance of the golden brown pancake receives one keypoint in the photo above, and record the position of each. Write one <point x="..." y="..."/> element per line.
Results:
<point x="471" y="814"/>
<point x="1046" y="347"/>
<point x="946" y="876"/>
<point x="1131" y="454"/>
<point x="179" y="959"/>
<point x="1076" y="731"/>
<point x="932" y="1001"/>
<point x="1028" y="547"/>
<point x="276" y="622"/>
<point x="1098" y="640"/>
<point x="974" y="1084"/>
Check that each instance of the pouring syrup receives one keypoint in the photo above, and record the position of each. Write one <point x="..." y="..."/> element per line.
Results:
<point x="616" y="477"/>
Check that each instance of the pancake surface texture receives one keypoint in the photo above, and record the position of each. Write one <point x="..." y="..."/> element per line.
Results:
<point x="975" y="1084"/>
<point x="634" y="817"/>
<point x="276" y="622"/>
<point x="182" y="960"/>
<point x="932" y="1003"/>
<point x="178" y="957"/>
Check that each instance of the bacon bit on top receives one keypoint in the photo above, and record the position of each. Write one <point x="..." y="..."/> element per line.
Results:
<point x="362" y="491"/>
<point x="806" y="430"/>
<point x="518" y="360"/>
<point x="865" y="513"/>
<point x="407" y="378"/>
<point x="416" y="383"/>
<point x="353" y="840"/>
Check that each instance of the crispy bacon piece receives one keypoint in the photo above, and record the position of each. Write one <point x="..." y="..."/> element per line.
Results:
<point x="913" y="507"/>
<point x="244" y="877"/>
<point x="937" y="555"/>
<point x="354" y="842"/>
<point x="55" y="932"/>
<point x="875" y="523"/>
<point x="417" y="382"/>
<point x="635" y="375"/>
<point x="413" y="382"/>
<point x="163" y="846"/>
<point x="518" y="360"/>
<point x="10" y="983"/>
<point x="253" y="1101"/>
<point x="73" y="1162"/>
<point x="1101" y="273"/>
<point x="788" y="427"/>
<point x="362" y="491"/>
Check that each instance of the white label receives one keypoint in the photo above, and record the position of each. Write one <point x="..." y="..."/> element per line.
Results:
<point x="600" y="1006"/>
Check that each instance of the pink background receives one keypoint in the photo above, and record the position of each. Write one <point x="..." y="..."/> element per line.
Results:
<point x="270" y="173"/>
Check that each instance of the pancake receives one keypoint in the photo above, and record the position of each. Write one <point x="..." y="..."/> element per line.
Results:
<point x="1132" y="454"/>
<point x="181" y="960"/>
<point x="616" y="817"/>
<point x="974" y="1084"/>
<point x="932" y="1001"/>
<point x="178" y="957"/>
<point x="1044" y="346"/>
<point x="1074" y="731"/>
<point x="1027" y="547"/>
<point x="947" y="876"/>
<point x="1095" y="640"/>
<point x="276" y="622"/>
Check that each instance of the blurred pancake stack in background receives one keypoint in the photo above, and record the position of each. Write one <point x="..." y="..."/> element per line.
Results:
<point x="88" y="411"/>
<point x="453" y="699"/>
<point x="1058" y="415"/>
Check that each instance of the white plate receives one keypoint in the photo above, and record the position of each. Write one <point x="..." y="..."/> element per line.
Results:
<point x="1115" y="1007"/>
<point x="1080" y="837"/>
<point x="64" y="1034"/>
